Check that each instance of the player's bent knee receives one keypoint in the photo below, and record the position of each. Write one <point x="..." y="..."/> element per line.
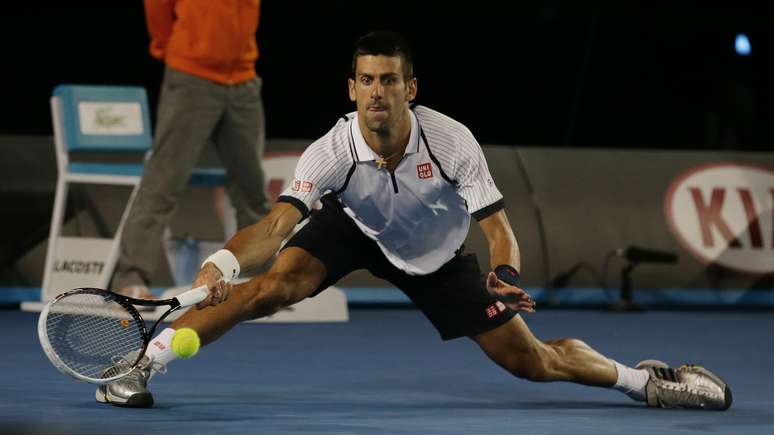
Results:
<point x="516" y="350"/>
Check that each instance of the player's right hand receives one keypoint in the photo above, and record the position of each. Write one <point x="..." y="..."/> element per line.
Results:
<point x="219" y="289"/>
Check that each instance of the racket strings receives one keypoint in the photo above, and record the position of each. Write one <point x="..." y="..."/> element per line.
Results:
<point x="90" y="334"/>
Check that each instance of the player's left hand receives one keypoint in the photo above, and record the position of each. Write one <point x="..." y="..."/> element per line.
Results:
<point x="514" y="297"/>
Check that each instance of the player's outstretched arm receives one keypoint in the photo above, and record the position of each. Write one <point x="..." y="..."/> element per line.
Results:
<point x="252" y="246"/>
<point x="255" y="244"/>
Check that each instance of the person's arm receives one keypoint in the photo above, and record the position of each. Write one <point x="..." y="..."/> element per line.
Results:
<point x="255" y="244"/>
<point x="486" y="205"/>
<point x="505" y="263"/>
<point x="503" y="248"/>
<point x="159" y="16"/>
<point x="250" y="248"/>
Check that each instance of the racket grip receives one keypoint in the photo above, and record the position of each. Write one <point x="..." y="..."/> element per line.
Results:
<point x="193" y="296"/>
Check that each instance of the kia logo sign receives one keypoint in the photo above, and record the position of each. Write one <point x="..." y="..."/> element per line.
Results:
<point x="722" y="213"/>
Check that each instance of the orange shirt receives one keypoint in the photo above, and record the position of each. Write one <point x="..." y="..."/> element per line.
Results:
<point x="212" y="39"/>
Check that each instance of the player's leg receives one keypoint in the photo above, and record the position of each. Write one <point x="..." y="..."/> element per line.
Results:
<point x="295" y="275"/>
<point x="456" y="301"/>
<point x="189" y="108"/>
<point x="514" y="347"/>
<point x="327" y="248"/>
<point x="317" y="256"/>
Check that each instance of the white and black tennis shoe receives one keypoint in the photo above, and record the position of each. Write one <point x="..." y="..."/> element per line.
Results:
<point x="688" y="386"/>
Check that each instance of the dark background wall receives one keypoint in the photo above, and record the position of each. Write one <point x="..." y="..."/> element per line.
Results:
<point x="555" y="73"/>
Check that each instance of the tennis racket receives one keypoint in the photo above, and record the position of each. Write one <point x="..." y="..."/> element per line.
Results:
<point x="99" y="336"/>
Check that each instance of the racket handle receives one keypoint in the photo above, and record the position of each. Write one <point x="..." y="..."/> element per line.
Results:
<point x="193" y="296"/>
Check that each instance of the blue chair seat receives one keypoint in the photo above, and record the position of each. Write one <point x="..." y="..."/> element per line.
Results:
<point x="201" y="177"/>
<point x="130" y="169"/>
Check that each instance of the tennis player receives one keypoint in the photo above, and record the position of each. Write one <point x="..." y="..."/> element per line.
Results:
<point x="399" y="184"/>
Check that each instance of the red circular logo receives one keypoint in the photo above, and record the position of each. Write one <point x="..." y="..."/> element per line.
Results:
<point x="722" y="213"/>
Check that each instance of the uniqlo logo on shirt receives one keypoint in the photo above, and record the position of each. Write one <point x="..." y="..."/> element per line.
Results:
<point x="303" y="186"/>
<point x="425" y="170"/>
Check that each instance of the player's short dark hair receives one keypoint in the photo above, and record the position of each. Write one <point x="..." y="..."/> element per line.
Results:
<point x="384" y="43"/>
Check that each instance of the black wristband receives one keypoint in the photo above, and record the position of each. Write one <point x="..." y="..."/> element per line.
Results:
<point x="507" y="274"/>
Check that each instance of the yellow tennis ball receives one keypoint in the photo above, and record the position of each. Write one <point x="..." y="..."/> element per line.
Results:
<point x="185" y="343"/>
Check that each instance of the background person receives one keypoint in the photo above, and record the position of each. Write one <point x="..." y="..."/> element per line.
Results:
<point x="210" y="93"/>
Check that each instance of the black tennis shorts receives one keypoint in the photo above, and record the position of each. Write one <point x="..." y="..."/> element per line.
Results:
<point x="454" y="298"/>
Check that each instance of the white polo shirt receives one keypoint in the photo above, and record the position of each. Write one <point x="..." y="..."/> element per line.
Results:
<point x="418" y="215"/>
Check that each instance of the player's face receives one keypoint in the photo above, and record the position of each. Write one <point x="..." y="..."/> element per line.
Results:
<point x="381" y="93"/>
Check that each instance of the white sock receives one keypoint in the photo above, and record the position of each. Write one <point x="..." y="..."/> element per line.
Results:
<point x="631" y="381"/>
<point x="160" y="349"/>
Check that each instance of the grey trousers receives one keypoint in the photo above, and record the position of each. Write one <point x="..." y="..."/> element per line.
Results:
<point x="193" y="112"/>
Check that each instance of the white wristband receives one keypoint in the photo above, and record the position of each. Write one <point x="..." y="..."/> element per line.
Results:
<point x="226" y="263"/>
